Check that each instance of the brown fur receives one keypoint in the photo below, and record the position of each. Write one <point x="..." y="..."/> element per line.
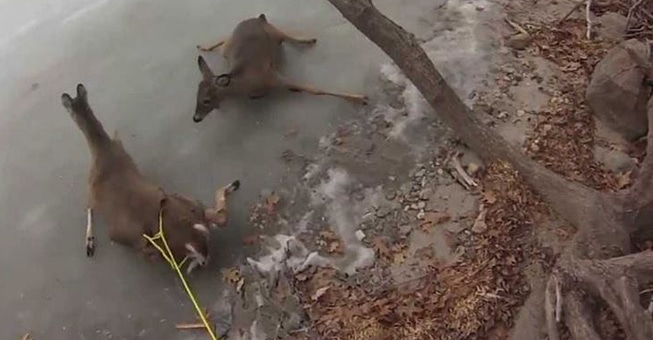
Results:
<point x="253" y="52"/>
<point x="129" y="201"/>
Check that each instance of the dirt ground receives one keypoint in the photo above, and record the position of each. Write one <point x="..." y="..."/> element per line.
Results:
<point x="396" y="230"/>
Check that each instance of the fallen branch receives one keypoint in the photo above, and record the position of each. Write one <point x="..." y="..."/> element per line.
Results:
<point x="189" y="326"/>
<point x="631" y="12"/>
<point x="462" y="174"/>
<point x="516" y="27"/>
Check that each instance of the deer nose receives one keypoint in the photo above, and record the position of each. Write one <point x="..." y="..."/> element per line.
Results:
<point x="197" y="119"/>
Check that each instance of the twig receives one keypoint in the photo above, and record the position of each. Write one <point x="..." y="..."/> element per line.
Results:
<point x="493" y="296"/>
<point x="631" y="11"/>
<point x="550" y="310"/>
<point x="189" y="326"/>
<point x="580" y="3"/>
<point x="588" y="14"/>
<point x="207" y="315"/>
<point x="516" y="26"/>
<point x="558" y="299"/>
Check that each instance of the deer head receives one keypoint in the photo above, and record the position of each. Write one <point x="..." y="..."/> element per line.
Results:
<point x="211" y="91"/>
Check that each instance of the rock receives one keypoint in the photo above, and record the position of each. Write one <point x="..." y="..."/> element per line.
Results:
<point x="455" y="228"/>
<point x="360" y="235"/>
<point x="421" y="205"/>
<point x="390" y="195"/>
<point x="614" y="160"/>
<point x="405" y="230"/>
<point x="518" y="41"/>
<point x="616" y="92"/>
<point x="426" y="194"/>
<point x="473" y="168"/>
<point x="611" y="26"/>
<point x="383" y="211"/>
<point x="471" y="162"/>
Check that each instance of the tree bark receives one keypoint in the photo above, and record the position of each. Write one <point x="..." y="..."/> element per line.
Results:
<point x="599" y="256"/>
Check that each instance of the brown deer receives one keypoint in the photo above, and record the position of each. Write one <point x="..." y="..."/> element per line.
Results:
<point x="252" y="53"/>
<point x="131" y="203"/>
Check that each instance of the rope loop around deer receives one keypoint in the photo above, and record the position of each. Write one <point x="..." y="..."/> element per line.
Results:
<point x="167" y="255"/>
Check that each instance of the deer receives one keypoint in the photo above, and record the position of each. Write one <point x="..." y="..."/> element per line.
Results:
<point x="252" y="54"/>
<point x="132" y="204"/>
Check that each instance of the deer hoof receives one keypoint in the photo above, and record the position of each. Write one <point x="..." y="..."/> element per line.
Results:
<point x="312" y="41"/>
<point x="90" y="246"/>
<point x="234" y="185"/>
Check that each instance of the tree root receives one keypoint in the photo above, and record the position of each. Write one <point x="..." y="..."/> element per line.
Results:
<point x="615" y="281"/>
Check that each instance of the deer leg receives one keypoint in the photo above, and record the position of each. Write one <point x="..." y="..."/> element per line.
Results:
<point x="309" y="89"/>
<point x="278" y="34"/>
<point x="218" y="215"/>
<point x="213" y="47"/>
<point x="222" y="193"/>
<point x="90" y="238"/>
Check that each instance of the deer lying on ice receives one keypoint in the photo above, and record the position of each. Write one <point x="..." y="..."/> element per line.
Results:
<point x="131" y="203"/>
<point x="252" y="52"/>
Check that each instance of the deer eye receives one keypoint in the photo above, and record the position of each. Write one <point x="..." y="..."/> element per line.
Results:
<point x="206" y="101"/>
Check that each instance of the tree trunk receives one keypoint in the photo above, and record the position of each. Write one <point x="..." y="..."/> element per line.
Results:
<point x="597" y="258"/>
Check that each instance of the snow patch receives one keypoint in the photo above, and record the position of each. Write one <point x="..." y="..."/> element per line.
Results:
<point x="462" y="54"/>
<point x="344" y="216"/>
<point x="288" y="252"/>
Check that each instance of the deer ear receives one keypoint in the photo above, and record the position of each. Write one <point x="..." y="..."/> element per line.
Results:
<point x="81" y="91"/>
<point x="67" y="101"/>
<point x="204" y="68"/>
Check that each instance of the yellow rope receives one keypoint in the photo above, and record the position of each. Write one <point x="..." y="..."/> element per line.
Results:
<point x="167" y="255"/>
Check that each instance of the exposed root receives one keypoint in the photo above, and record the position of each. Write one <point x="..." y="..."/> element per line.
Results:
<point x="551" y="303"/>
<point x="588" y="18"/>
<point x="578" y="318"/>
<point x="615" y="281"/>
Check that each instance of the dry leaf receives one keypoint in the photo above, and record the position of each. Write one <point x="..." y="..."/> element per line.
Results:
<point x="334" y="247"/>
<point x="623" y="179"/>
<point x="381" y="248"/>
<point x="489" y="197"/>
<point x="434" y="218"/>
<point x="250" y="240"/>
<point x="231" y="275"/>
<point x="301" y="277"/>
<point x="327" y="235"/>
<point x="240" y="284"/>
<point x="399" y="258"/>
<point x="271" y="202"/>
<point x="480" y="225"/>
<point x="319" y="293"/>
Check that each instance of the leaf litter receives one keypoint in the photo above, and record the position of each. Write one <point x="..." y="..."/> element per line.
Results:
<point x="464" y="299"/>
